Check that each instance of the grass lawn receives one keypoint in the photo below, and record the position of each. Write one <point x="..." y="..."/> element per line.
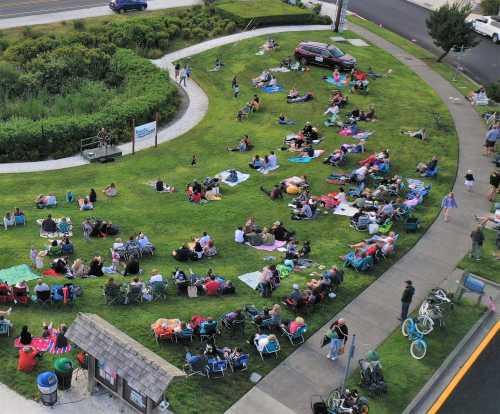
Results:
<point x="403" y="100"/>
<point x="404" y="375"/>
<point x="488" y="267"/>
<point x="259" y="8"/>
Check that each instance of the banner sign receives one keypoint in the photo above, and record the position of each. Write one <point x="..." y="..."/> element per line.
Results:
<point x="145" y="131"/>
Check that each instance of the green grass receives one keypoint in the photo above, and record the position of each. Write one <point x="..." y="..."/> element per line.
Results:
<point x="169" y="220"/>
<point x="259" y="8"/>
<point x="488" y="267"/>
<point x="462" y="83"/>
<point x="404" y="375"/>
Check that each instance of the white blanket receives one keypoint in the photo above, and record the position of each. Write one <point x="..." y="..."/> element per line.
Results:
<point x="250" y="279"/>
<point x="241" y="177"/>
<point x="267" y="170"/>
<point x="345" y="210"/>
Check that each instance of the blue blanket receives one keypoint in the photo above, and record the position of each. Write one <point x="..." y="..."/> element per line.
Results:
<point x="272" y="89"/>
<point x="340" y="84"/>
<point x="301" y="160"/>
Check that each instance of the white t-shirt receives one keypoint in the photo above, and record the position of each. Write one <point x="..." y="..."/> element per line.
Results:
<point x="156" y="278"/>
<point x="204" y="240"/>
<point x="273" y="161"/>
<point x="238" y="236"/>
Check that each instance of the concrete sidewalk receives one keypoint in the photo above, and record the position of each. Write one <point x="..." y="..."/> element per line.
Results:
<point x="372" y="316"/>
<point x="85" y="13"/>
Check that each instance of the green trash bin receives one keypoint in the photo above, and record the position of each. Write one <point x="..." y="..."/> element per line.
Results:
<point x="63" y="368"/>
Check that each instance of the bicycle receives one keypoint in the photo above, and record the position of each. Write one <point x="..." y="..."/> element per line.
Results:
<point x="433" y="310"/>
<point x="418" y="346"/>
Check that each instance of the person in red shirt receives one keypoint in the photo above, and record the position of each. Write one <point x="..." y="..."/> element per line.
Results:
<point x="212" y="286"/>
<point x="27" y="359"/>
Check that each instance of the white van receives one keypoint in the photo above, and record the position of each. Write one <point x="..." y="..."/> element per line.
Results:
<point x="487" y="26"/>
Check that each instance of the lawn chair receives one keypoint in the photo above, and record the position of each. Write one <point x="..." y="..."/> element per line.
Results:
<point x="114" y="295"/>
<point x="44" y="298"/>
<point x="197" y="368"/>
<point x="208" y="331"/>
<point x="20" y="220"/>
<point x="134" y="295"/>
<point x="158" y="291"/>
<point x="20" y="295"/>
<point x="5" y="328"/>
<point x="412" y="224"/>
<point x="297" y="337"/>
<point x="185" y="336"/>
<point x="240" y="363"/>
<point x="6" y="295"/>
<point x="272" y="348"/>
<point x="216" y="368"/>
<point x="386" y="227"/>
<point x="63" y="294"/>
<point x="431" y="173"/>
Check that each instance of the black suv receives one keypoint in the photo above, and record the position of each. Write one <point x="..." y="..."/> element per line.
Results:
<point x="322" y="54"/>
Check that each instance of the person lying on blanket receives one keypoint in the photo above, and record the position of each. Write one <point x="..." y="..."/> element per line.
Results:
<point x="335" y="158"/>
<point x="275" y="194"/>
<point x="262" y="79"/>
<point x="293" y="93"/>
<point x="358" y="115"/>
<point x="294" y="184"/>
<point x="385" y="245"/>
<point x="420" y="134"/>
<point x="338" y="99"/>
<point x="163" y="187"/>
<point x="308" y="96"/>
<point x="42" y="201"/>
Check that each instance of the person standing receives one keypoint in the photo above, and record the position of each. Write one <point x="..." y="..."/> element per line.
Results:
<point x="494" y="183"/>
<point x="183" y="77"/>
<point x="469" y="180"/>
<point x="448" y="203"/>
<point x="406" y="299"/>
<point x="339" y="334"/>
<point x="177" y="69"/>
<point x="492" y="136"/>
<point x="477" y="237"/>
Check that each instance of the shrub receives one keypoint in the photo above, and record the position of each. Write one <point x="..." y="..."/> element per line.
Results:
<point x="490" y="7"/>
<point x="493" y="91"/>
<point x="79" y="25"/>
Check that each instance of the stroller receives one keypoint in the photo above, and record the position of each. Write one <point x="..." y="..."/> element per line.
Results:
<point x="372" y="378"/>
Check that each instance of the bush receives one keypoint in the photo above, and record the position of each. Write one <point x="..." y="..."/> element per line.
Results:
<point x="490" y="7"/>
<point x="146" y="90"/>
<point x="79" y="25"/>
<point x="493" y="91"/>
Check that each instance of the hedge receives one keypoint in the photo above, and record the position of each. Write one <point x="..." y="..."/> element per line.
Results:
<point x="146" y="90"/>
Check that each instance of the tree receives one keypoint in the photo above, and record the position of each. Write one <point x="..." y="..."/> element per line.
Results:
<point x="449" y="29"/>
<point x="490" y="7"/>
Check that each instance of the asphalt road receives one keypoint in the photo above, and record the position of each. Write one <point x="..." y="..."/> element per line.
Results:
<point x="477" y="392"/>
<point x="408" y="20"/>
<point x="20" y="8"/>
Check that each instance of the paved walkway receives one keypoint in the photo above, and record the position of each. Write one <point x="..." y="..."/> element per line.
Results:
<point x="372" y="316"/>
<point x="85" y="13"/>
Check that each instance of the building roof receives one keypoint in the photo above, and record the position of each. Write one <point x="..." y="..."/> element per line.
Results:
<point x="143" y="370"/>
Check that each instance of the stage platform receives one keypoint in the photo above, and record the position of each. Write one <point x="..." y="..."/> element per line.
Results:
<point x="102" y="154"/>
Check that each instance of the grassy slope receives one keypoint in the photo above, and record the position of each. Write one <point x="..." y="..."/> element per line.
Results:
<point x="169" y="219"/>
<point x="258" y="8"/>
<point x="404" y="375"/>
<point x="488" y="267"/>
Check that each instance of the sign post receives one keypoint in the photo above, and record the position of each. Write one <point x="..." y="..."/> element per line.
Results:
<point x="157" y="119"/>
<point x="133" y="136"/>
<point x="349" y="357"/>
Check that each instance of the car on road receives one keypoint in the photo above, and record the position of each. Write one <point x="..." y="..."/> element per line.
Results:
<point x="323" y="54"/>
<point x="121" y="6"/>
<point x="487" y="26"/>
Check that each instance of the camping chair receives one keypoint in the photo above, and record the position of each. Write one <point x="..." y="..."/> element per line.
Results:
<point x="386" y="227"/>
<point x="198" y="368"/>
<point x="158" y="291"/>
<point x="114" y="295"/>
<point x="234" y="326"/>
<point x="216" y="368"/>
<point x="4" y="328"/>
<point x="134" y="295"/>
<point x="20" y="295"/>
<point x="167" y="335"/>
<point x="20" y="220"/>
<point x="240" y="363"/>
<point x="431" y="173"/>
<point x="6" y="295"/>
<point x="208" y="331"/>
<point x="67" y="249"/>
<point x="44" y="298"/>
<point x="271" y="348"/>
<point x="297" y="337"/>
<point x="412" y="224"/>
<point x="55" y="251"/>
<point x="185" y="336"/>
<point x="62" y="294"/>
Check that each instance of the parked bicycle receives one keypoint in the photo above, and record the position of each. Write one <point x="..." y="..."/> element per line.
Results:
<point x="418" y="346"/>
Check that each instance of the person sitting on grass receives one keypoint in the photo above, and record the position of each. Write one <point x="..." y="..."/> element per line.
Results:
<point x="425" y="167"/>
<point x="132" y="267"/>
<point x="95" y="267"/>
<point x="49" y="225"/>
<point x="210" y="250"/>
<point x="255" y="103"/>
<point x="110" y="190"/>
<point x="244" y="145"/>
<point x="303" y="212"/>
<point x="293" y="93"/>
<point x="85" y="204"/>
<point x="275" y="194"/>
<point x="256" y="162"/>
<point x="9" y="220"/>
<point x="280" y="232"/>
<point x="420" y="134"/>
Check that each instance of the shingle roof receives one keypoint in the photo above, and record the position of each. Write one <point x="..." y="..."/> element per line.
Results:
<point x="143" y="370"/>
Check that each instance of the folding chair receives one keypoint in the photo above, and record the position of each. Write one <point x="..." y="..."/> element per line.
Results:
<point x="6" y="295"/>
<point x="216" y="368"/>
<point x="240" y="363"/>
<point x="273" y="347"/>
<point x="114" y="295"/>
<point x="197" y="368"/>
<point x="158" y="291"/>
<point x="20" y="295"/>
<point x="208" y="330"/>
<point x="297" y="337"/>
<point x="20" y="220"/>
<point x="185" y="336"/>
<point x="134" y="295"/>
<point x="4" y="328"/>
<point x="44" y="298"/>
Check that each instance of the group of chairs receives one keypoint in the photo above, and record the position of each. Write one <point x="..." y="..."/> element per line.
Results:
<point x="128" y="294"/>
<point x="65" y="294"/>
<point x="217" y="368"/>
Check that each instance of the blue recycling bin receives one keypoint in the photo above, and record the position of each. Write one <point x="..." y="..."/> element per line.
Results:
<point x="473" y="284"/>
<point x="47" y="385"/>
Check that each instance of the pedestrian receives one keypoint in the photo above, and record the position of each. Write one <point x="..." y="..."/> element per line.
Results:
<point x="183" y="77"/>
<point x="188" y="71"/>
<point x="177" y="71"/>
<point x="338" y="334"/>
<point x="194" y="160"/>
<point x="234" y="82"/>
<point x="477" y="237"/>
<point x="236" y="90"/>
<point x="494" y="183"/>
<point x="448" y="203"/>
<point x="492" y="136"/>
<point x="469" y="180"/>
<point x="406" y="299"/>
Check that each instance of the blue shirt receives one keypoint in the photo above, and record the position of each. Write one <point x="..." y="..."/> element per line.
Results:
<point x="493" y="135"/>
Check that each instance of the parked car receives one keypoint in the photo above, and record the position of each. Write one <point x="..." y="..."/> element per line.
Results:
<point x="487" y="26"/>
<point x="121" y="6"/>
<point x="323" y="54"/>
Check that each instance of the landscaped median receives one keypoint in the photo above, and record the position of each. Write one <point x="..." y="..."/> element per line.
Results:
<point x="403" y="374"/>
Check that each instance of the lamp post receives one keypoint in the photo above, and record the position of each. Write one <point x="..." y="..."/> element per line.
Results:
<point x="352" y="349"/>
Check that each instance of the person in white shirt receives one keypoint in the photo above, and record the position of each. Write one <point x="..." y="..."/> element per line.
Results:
<point x="41" y="287"/>
<point x="204" y="239"/>
<point x="9" y="220"/>
<point x="239" y="235"/>
<point x="273" y="160"/>
<point x="333" y="109"/>
<point x="155" y="276"/>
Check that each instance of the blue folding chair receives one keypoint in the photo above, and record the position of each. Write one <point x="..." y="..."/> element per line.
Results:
<point x="297" y="337"/>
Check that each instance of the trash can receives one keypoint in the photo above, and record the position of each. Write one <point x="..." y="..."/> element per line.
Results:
<point x="473" y="284"/>
<point x="64" y="372"/>
<point x="47" y="385"/>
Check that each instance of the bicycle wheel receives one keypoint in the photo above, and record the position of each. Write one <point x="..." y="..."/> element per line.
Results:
<point x="407" y="327"/>
<point x="334" y="400"/>
<point x="424" y="307"/>
<point x="424" y="324"/>
<point x="418" y="349"/>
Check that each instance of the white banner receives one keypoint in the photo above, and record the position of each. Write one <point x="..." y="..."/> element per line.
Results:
<point x="145" y="131"/>
<point x="343" y="13"/>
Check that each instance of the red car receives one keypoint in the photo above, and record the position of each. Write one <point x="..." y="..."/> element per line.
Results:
<point x="322" y="54"/>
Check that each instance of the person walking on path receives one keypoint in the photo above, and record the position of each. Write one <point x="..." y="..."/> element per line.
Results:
<point x="338" y="334"/>
<point x="469" y="180"/>
<point x="177" y="69"/>
<point x="492" y="136"/>
<point x="477" y="237"/>
<point x="183" y="77"/>
<point x="494" y="183"/>
<point x="447" y="204"/>
<point x="406" y="299"/>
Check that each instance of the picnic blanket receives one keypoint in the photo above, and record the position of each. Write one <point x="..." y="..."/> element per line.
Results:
<point x="305" y="159"/>
<point x="168" y="188"/>
<point x="15" y="274"/>
<point x="241" y="177"/>
<point x="272" y="89"/>
<point x="250" y="279"/>
<point x="57" y="234"/>
<point x="345" y="210"/>
<point x="280" y="69"/>
<point x="44" y="345"/>
<point x="341" y="83"/>
<point x="267" y="170"/>
<point x="270" y="248"/>
<point x="81" y="202"/>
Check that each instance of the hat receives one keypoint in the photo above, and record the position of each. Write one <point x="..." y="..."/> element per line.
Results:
<point x="295" y="286"/>
<point x="276" y="223"/>
<point x="409" y="282"/>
